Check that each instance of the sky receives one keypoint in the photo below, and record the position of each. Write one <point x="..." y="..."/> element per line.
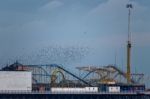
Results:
<point x="74" y="32"/>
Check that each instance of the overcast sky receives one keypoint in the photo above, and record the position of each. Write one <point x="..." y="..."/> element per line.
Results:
<point x="74" y="32"/>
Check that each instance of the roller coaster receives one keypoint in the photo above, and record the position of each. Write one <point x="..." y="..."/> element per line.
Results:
<point x="53" y="75"/>
<point x="110" y="73"/>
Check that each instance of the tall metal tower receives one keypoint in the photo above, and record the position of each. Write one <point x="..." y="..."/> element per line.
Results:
<point x="129" y="6"/>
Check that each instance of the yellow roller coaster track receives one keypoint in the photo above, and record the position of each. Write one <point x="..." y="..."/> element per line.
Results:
<point x="54" y="75"/>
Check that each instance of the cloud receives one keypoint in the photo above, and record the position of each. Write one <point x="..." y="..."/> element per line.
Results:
<point x="141" y="39"/>
<point x="51" y="5"/>
<point x="142" y="2"/>
<point x="110" y="7"/>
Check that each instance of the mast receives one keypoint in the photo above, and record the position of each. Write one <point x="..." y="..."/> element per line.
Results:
<point x="129" y="6"/>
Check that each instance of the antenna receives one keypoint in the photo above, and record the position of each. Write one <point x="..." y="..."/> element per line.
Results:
<point x="129" y="6"/>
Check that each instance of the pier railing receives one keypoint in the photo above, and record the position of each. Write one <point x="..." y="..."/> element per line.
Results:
<point x="49" y="92"/>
